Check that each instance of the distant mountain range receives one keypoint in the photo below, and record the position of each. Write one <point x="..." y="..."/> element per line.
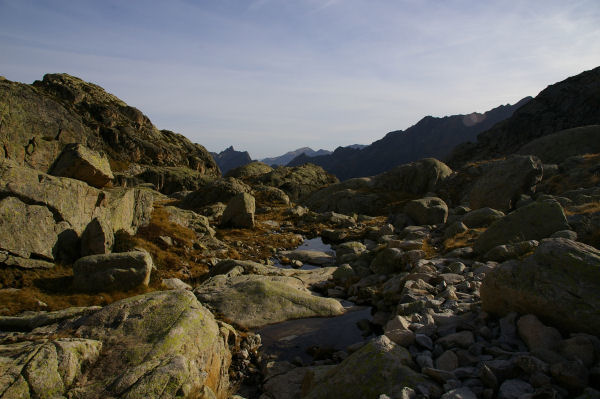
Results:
<point x="570" y="103"/>
<point x="430" y="137"/>
<point x="230" y="158"/>
<point x="288" y="156"/>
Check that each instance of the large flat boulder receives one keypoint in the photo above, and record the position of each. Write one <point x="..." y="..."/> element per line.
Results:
<point x="255" y="168"/>
<point x="502" y="182"/>
<point x="308" y="278"/>
<point x="79" y="162"/>
<point x="309" y="256"/>
<point x="559" y="283"/>
<point x="254" y="300"/>
<point x="535" y="221"/>
<point x="379" y="367"/>
<point x="109" y="272"/>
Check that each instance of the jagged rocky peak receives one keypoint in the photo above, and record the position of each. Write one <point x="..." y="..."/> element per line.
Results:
<point x="229" y="159"/>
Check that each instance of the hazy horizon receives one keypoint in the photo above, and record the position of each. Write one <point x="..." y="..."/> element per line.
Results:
<point x="271" y="76"/>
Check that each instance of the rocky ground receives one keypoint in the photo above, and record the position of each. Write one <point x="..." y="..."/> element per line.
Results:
<point x="478" y="282"/>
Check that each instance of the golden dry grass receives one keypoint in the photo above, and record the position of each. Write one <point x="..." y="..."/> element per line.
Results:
<point x="53" y="287"/>
<point x="187" y="259"/>
<point x="429" y="250"/>
<point x="590" y="207"/>
<point x="462" y="240"/>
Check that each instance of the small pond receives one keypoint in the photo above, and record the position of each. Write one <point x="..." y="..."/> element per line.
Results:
<point x="291" y="339"/>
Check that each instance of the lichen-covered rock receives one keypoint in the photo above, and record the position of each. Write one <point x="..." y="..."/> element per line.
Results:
<point x="108" y="272"/>
<point x="126" y="133"/>
<point x="268" y="194"/>
<point x="379" y="367"/>
<point x="158" y="345"/>
<point x="24" y="263"/>
<point x="349" y="251"/>
<point x="27" y="230"/>
<point x="128" y="209"/>
<point x="415" y="178"/>
<point x="174" y="284"/>
<point x="481" y="217"/>
<point x="252" y="301"/>
<point x="297" y="182"/>
<point x="428" y="210"/>
<point x="79" y="162"/>
<point x="35" y="127"/>
<point x="162" y="344"/>
<point x="502" y="182"/>
<point x="30" y="320"/>
<point x="558" y="283"/>
<point x="535" y="221"/>
<point x="44" y="370"/>
<point x="220" y="190"/>
<point x="239" y="212"/>
<point x="40" y="119"/>
<point x="70" y="200"/>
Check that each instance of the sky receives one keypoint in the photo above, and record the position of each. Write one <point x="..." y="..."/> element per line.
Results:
<point x="270" y="76"/>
